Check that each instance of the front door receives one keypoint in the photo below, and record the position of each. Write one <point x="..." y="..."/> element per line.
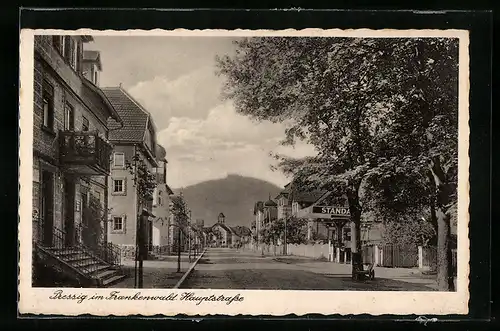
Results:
<point x="69" y="211"/>
<point x="47" y="208"/>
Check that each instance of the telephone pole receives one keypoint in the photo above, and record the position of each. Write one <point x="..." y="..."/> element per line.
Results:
<point x="189" y="235"/>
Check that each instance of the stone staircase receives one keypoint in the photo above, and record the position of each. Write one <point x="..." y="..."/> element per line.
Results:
<point x="82" y="265"/>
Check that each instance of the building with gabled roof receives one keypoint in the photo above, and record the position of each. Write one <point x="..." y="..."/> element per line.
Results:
<point x="135" y="137"/>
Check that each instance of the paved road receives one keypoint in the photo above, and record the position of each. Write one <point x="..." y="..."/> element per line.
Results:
<point x="223" y="268"/>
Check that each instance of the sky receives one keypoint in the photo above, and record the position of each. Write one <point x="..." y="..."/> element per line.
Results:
<point x="175" y="79"/>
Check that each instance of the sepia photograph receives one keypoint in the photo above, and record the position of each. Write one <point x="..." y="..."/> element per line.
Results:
<point x="240" y="162"/>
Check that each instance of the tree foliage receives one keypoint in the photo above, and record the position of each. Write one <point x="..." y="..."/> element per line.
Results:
<point x="178" y="208"/>
<point x="381" y="113"/>
<point x="144" y="179"/>
<point x="274" y="232"/>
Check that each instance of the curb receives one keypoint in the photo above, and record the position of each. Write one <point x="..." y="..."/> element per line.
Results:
<point x="188" y="272"/>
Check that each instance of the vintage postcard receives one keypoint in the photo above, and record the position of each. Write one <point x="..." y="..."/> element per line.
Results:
<point x="244" y="172"/>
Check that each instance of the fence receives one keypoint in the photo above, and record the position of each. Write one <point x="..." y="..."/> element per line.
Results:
<point x="391" y="256"/>
<point x="312" y="251"/>
<point x="398" y="256"/>
<point x="429" y="259"/>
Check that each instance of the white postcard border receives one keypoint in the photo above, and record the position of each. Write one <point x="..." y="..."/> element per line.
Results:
<point x="268" y="302"/>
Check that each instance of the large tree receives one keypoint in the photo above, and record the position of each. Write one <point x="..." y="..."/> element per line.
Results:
<point x="419" y="149"/>
<point x="345" y="96"/>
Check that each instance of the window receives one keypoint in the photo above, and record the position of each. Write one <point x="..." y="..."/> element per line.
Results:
<point x="159" y="198"/>
<point x="119" y="160"/>
<point x="48" y="105"/>
<point x="85" y="124"/>
<point x="70" y="51"/>
<point x="118" y="223"/>
<point x="95" y="77"/>
<point x="118" y="186"/>
<point x="58" y="43"/>
<point x="347" y="234"/>
<point x="77" y="57"/>
<point x="69" y="117"/>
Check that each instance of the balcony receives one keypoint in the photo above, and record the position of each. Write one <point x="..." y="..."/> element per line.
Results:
<point x="85" y="153"/>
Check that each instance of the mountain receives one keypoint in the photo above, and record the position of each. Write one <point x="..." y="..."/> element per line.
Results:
<point x="234" y="196"/>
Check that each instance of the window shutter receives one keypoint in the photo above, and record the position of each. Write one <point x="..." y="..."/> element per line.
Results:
<point x="124" y="223"/>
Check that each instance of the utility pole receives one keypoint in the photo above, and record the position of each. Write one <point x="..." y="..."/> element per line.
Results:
<point x="143" y="244"/>
<point x="285" y="247"/>
<point x="189" y="235"/>
<point x="178" y="248"/>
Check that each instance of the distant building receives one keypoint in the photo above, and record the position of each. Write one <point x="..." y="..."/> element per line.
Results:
<point x="241" y="235"/>
<point x="265" y="213"/>
<point x="161" y="223"/>
<point x="326" y="229"/>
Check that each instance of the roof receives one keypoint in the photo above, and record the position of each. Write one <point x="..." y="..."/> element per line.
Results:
<point x="224" y="226"/>
<point x="90" y="92"/>
<point x="241" y="231"/>
<point x="283" y="193"/>
<point x="93" y="56"/>
<point x="169" y="190"/>
<point x="134" y="118"/>
<point x="307" y="197"/>
<point x="270" y="203"/>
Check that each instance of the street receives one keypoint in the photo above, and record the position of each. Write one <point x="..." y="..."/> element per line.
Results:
<point x="224" y="268"/>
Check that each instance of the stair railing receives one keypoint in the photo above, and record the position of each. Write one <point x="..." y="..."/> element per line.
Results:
<point x="106" y="251"/>
<point x="72" y="251"/>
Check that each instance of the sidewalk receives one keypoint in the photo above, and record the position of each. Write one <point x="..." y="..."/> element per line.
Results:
<point x="408" y="275"/>
<point x="159" y="273"/>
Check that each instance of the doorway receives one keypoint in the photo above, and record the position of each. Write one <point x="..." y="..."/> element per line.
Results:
<point x="69" y="211"/>
<point x="150" y="235"/>
<point x="47" y="208"/>
<point x="86" y="233"/>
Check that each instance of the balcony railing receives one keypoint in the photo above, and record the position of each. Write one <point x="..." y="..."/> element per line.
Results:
<point x="85" y="153"/>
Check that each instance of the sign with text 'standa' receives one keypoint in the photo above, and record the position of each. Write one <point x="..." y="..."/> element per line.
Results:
<point x="332" y="210"/>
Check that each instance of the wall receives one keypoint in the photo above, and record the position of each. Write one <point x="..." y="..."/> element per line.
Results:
<point x="68" y="88"/>
<point x="162" y="220"/>
<point x="123" y="204"/>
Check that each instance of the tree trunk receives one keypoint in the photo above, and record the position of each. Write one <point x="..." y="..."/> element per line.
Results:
<point x="444" y="265"/>
<point x="356" y="259"/>
<point x="444" y="262"/>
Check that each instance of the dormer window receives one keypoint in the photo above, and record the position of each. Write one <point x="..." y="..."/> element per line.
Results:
<point x="91" y="66"/>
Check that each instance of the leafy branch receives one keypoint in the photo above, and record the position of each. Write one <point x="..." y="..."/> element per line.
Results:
<point x="144" y="180"/>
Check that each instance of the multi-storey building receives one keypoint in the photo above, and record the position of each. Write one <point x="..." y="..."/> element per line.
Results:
<point x="134" y="145"/>
<point x="71" y="164"/>
<point x="161" y="223"/>
<point x="265" y="213"/>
